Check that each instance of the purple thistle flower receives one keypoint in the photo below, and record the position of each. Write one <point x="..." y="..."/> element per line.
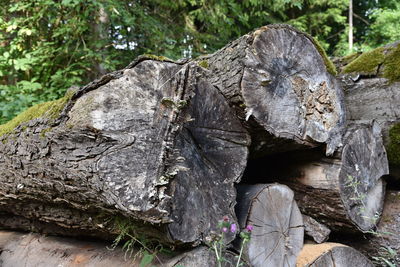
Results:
<point x="224" y="229"/>
<point x="233" y="228"/>
<point x="249" y="228"/>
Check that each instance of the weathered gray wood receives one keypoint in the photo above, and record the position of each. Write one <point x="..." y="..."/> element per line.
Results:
<point x="276" y="76"/>
<point x="317" y="231"/>
<point x="203" y="256"/>
<point x="34" y="250"/>
<point x="370" y="96"/>
<point x="385" y="242"/>
<point x="375" y="99"/>
<point x="331" y="255"/>
<point x="154" y="143"/>
<point x="345" y="192"/>
<point x="278" y="232"/>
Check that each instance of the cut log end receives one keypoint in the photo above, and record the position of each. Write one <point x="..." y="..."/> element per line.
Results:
<point x="292" y="97"/>
<point x="278" y="231"/>
<point x="331" y="255"/>
<point x="345" y="192"/>
<point x="151" y="143"/>
<point x="364" y="162"/>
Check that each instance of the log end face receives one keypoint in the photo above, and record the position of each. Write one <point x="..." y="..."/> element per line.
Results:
<point x="291" y="96"/>
<point x="278" y="231"/>
<point x="216" y="148"/>
<point x="361" y="187"/>
<point x="331" y="254"/>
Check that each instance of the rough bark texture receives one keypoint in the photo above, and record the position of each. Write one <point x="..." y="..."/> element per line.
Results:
<point x="155" y="142"/>
<point x="371" y="82"/>
<point x="276" y="76"/>
<point x="317" y="231"/>
<point x="346" y="192"/>
<point x="278" y="232"/>
<point x="331" y="255"/>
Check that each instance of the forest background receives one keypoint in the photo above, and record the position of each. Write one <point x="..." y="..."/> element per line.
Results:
<point x="47" y="46"/>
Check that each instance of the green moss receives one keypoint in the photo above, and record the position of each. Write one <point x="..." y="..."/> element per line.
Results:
<point x="265" y="82"/>
<point x="203" y="64"/>
<point x="50" y="110"/>
<point x="158" y="58"/>
<point x="391" y="70"/>
<point x="330" y="67"/>
<point x="349" y="58"/>
<point x="368" y="62"/>
<point x="393" y="149"/>
<point x="44" y="131"/>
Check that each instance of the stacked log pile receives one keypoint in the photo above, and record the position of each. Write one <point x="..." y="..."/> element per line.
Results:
<point x="371" y="83"/>
<point x="163" y="150"/>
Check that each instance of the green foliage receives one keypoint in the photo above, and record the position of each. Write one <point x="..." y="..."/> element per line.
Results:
<point x="218" y="242"/>
<point x="387" y="257"/>
<point x="136" y="244"/>
<point x="385" y="26"/>
<point x="48" y="46"/>
<point x="393" y="149"/>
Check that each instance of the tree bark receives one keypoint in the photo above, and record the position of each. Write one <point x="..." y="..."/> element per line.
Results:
<point x="154" y="143"/>
<point x="159" y="145"/>
<point x="331" y="255"/>
<point x="344" y="192"/>
<point x="317" y="231"/>
<point x="371" y="95"/>
<point x="278" y="232"/>
<point x="277" y="80"/>
<point x="376" y="99"/>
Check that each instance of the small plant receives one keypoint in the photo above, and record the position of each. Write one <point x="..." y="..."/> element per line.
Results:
<point x="130" y="239"/>
<point x="218" y="241"/>
<point x="387" y="255"/>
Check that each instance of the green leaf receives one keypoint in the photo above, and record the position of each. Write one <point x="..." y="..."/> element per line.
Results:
<point x="146" y="259"/>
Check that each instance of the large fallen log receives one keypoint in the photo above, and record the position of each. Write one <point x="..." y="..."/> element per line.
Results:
<point x="34" y="250"/>
<point x="344" y="192"/>
<point x="155" y="143"/>
<point x="372" y="92"/>
<point x="331" y="255"/>
<point x="282" y="78"/>
<point x="158" y="145"/>
<point x="277" y="236"/>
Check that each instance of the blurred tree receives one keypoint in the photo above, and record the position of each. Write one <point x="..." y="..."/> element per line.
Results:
<point x="47" y="46"/>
